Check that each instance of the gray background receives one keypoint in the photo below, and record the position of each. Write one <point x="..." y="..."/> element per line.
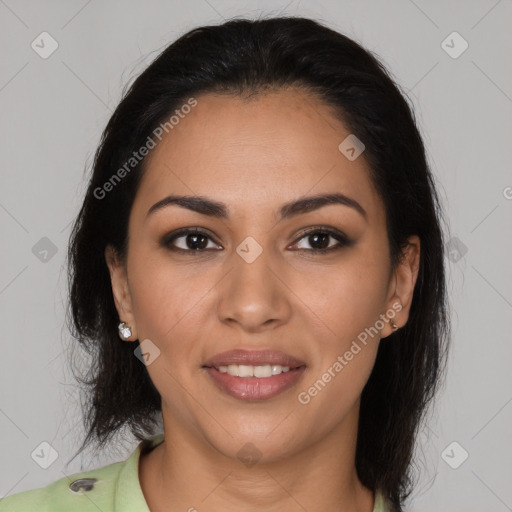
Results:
<point x="52" y="113"/>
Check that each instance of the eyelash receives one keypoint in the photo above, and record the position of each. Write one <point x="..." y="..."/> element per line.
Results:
<point x="343" y="240"/>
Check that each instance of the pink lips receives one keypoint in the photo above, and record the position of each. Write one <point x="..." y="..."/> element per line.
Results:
<point x="254" y="388"/>
<point x="254" y="358"/>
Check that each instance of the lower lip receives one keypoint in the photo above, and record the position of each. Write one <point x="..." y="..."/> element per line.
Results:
<point x="255" y="388"/>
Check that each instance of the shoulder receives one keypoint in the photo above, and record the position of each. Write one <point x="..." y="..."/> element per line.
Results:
<point x="382" y="504"/>
<point x="81" y="492"/>
<point x="112" y="488"/>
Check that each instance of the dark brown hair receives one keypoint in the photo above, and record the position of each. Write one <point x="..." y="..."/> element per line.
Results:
<point x="246" y="57"/>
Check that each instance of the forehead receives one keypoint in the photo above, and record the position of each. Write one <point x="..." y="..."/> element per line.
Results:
<point x="255" y="153"/>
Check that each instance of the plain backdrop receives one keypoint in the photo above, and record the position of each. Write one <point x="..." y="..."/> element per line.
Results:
<point x="53" y="110"/>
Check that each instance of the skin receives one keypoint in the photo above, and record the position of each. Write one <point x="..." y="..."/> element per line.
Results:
<point x="254" y="155"/>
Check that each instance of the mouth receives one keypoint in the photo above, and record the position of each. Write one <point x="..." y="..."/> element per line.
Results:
<point x="253" y="376"/>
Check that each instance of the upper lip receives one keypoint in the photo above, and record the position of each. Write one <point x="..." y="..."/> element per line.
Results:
<point x="254" y="358"/>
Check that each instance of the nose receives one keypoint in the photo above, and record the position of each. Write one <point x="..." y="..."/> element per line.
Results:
<point x="253" y="295"/>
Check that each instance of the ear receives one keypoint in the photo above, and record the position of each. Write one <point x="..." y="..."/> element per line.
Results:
<point x="120" y="289"/>
<point x="401" y="288"/>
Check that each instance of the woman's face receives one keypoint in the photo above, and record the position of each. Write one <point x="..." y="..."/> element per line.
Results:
<point x="252" y="281"/>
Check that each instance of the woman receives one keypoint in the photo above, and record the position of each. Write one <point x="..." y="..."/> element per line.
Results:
<point x="262" y="231"/>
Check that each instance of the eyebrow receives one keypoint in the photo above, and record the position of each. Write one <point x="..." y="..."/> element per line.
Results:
<point x="206" y="206"/>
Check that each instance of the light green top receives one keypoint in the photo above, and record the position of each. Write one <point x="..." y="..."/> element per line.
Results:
<point x="116" y="488"/>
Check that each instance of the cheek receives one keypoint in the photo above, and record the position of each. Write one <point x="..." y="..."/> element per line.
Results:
<point x="347" y="298"/>
<point x="168" y="300"/>
<point x="169" y="304"/>
<point x="344" y="311"/>
<point x="346" y="347"/>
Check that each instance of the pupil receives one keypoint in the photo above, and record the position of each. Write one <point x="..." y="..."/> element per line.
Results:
<point x="193" y="239"/>
<point x="323" y="236"/>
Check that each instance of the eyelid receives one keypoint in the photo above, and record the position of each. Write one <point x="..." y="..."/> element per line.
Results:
<point x="322" y="228"/>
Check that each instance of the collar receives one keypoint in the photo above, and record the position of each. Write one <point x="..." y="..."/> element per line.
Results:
<point x="128" y="495"/>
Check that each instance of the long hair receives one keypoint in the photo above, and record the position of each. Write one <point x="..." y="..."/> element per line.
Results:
<point x="244" y="57"/>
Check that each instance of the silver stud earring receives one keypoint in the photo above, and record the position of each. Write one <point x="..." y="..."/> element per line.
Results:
<point x="392" y="322"/>
<point x="124" y="331"/>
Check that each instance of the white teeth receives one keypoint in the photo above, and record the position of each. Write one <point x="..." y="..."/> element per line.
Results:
<point x="262" y="371"/>
<point x="243" y="370"/>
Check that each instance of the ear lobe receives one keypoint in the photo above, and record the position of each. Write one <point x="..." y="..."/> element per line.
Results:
<point x="404" y="279"/>
<point x="120" y="289"/>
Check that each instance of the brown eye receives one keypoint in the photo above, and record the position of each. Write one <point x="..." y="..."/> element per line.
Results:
<point x="193" y="241"/>
<point x="323" y="240"/>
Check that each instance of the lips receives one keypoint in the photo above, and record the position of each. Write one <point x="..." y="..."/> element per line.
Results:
<point x="254" y="358"/>
<point x="255" y="389"/>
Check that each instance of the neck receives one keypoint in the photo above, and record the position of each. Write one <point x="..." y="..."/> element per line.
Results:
<point x="187" y="473"/>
